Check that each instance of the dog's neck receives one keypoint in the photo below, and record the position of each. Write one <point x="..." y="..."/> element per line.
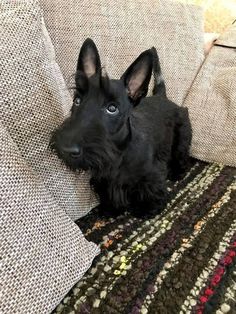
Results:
<point x="123" y="136"/>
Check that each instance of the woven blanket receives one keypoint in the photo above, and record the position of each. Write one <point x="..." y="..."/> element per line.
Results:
<point x="182" y="261"/>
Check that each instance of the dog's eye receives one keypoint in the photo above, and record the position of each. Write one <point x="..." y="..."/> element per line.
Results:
<point x="77" y="102"/>
<point x="112" y="108"/>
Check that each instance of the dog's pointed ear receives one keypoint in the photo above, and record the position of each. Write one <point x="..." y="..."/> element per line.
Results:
<point x="89" y="60"/>
<point x="137" y="77"/>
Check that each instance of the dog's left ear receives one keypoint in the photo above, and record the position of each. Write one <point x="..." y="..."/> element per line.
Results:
<point x="89" y="61"/>
<point x="137" y="77"/>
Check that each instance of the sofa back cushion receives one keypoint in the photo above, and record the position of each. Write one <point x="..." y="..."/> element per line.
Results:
<point x="35" y="100"/>
<point x="123" y="29"/>
<point x="212" y="103"/>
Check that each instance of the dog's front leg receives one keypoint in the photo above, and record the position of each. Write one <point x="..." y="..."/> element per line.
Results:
<point x="150" y="197"/>
<point x="150" y="206"/>
<point x="110" y="198"/>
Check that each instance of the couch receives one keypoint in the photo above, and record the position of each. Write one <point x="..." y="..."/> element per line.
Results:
<point x="43" y="251"/>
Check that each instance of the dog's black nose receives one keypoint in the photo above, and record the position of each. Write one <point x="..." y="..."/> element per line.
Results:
<point x="74" y="150"/>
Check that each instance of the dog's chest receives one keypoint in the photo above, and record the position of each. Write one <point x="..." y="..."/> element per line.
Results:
<point x="135" y="164"/>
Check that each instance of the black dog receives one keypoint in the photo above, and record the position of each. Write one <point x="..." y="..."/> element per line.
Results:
<point x="130" y="143"/>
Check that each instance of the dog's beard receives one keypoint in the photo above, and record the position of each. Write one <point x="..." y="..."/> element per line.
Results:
<point x="99" y="157"/>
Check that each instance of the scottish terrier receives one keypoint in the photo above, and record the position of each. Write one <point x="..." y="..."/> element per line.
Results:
<point x="130" y="143"/>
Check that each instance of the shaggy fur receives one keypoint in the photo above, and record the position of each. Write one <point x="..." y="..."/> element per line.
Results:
<point x="130" y="143"/>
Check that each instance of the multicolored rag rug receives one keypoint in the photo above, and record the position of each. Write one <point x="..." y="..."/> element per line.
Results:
<point x="182" y="261"/>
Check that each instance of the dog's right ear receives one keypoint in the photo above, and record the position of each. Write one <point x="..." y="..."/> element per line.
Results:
<point x="89" y="61"/>
<point x="137" y="77"/>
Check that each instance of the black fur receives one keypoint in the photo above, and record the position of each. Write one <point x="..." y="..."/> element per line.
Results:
<point x="134" y="150"/>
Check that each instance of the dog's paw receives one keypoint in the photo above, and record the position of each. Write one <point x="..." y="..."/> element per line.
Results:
<point x="148" y="210"/>
<point x="108" y="211"/>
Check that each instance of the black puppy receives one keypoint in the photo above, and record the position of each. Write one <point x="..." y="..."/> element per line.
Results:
<point x="129" y="143"/>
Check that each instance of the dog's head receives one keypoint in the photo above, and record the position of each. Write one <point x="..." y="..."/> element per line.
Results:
<point x="98" y="128"/>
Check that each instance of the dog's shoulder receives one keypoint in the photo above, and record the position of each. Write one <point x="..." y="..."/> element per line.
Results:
<point x="156" y="105"/>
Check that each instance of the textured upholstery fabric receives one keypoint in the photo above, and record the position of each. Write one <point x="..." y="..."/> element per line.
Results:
<point x="212" y="103"/>
<point x="35" y="101"/>
<point x="42" y="251"/>
<point x="123" y="29"/>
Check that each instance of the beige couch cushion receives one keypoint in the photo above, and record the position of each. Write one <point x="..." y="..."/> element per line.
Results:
<point x="42" y="251"/>
<point x="123" y="29"/>
<point x="212" y="103"/>
<point x="35" y="101"/>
